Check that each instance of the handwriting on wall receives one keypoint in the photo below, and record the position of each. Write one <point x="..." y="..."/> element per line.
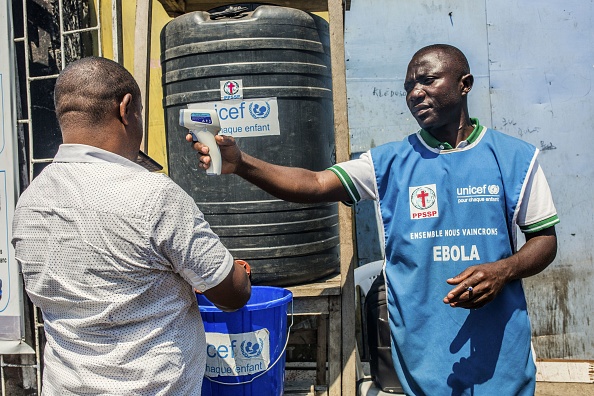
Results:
<point x="544" y="146"/>
<point x="511" y="126"/>
<point x="388" y="93"/>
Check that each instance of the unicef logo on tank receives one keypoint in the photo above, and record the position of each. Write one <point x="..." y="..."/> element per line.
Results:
<point x="259" y="110"/>
<point x="245" y="118"/>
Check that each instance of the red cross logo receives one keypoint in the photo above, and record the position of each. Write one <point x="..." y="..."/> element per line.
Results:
<point x="231" y="87"/>
<point x="423" y="195"/>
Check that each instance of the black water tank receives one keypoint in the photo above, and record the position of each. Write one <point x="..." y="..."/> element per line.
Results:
<point x="280" y="53"/>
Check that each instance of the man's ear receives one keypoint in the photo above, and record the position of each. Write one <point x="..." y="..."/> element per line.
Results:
<point x="467" y="81"/>
<point x="126" y="108"/>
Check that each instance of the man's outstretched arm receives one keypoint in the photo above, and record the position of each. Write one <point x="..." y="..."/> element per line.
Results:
<point x="286" y="183"/>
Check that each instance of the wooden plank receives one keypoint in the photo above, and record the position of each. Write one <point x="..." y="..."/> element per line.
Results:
<point x="305" y="5"/>
<point x="347" y="253"/>
<point x="321" y="351"/>
<point x="349" y="356"/>
<point x="325" y="287"/>
<point x="334" y="348"/>
<point x="565" y="371"/>
<point x="178" y="7"/>
<point x="174" y="7"/>
<point x="116" y="28"/>
<point x="310" y="306"/>
<point x="142" y="56"/>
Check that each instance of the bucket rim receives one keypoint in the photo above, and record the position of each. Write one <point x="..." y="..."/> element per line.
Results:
<point x="285" y="299"/>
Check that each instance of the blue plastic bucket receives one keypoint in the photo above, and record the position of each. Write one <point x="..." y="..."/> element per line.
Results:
<point x="246" y="348"/>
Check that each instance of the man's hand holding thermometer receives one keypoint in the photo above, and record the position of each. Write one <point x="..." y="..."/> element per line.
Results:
<point x="223" y="155"/>
<point x="204" y="125"/>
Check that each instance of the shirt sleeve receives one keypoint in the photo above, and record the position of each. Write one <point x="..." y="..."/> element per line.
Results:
<point x="358" y="177"/>
<point x="537" y="210"/>
<point x="182" y="237"/>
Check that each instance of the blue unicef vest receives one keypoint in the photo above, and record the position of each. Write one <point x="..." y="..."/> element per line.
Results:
<point x="443" y="212"/>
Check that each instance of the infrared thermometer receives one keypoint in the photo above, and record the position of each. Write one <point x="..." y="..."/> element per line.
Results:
<point x="204" y="125"/>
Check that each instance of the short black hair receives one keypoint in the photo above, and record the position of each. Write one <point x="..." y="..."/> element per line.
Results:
<point x="457" y="56"/>
<point x="90" y="88"/>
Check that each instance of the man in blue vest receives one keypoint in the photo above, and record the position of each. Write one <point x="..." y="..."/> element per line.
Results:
<point x="450" y="198"/>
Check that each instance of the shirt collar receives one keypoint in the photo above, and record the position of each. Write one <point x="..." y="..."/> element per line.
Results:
<point x="91" y="154"/>
<point x="432" y="142"/>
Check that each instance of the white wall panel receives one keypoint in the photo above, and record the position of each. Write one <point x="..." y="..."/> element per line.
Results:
<point x="542" y="75"/>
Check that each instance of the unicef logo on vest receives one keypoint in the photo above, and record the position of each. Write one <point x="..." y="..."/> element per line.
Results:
<point x="259" y="110"/>
<point x="252" y="349"/>
<point x="478" y="193"/>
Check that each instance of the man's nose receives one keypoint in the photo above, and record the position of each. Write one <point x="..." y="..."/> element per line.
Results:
<point x="416" y="94"/>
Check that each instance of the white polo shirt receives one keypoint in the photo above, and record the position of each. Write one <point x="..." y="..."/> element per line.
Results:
<point x="111" y="253"/>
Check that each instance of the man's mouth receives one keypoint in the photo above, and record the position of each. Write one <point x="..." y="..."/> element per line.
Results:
<point x="420" y="110"/>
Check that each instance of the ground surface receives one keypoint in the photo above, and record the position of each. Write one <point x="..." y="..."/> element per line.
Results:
<point x="563" y="389"/>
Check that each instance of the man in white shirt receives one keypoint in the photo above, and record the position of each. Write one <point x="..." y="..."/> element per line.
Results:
<point x="112" y="253"/>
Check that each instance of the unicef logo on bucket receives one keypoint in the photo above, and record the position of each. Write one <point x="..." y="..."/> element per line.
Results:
<point x="252" y="349"/>
<point x="232" y="355"/>
<point x="259" y="110"/>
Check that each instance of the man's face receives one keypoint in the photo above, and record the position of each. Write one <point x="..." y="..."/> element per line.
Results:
<point x="433" y="90"/>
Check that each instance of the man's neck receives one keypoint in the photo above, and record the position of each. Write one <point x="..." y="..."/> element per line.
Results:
<point x="111" y="138"/>
<point x="453" y="133"/>
<point x="433" y="141"/>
